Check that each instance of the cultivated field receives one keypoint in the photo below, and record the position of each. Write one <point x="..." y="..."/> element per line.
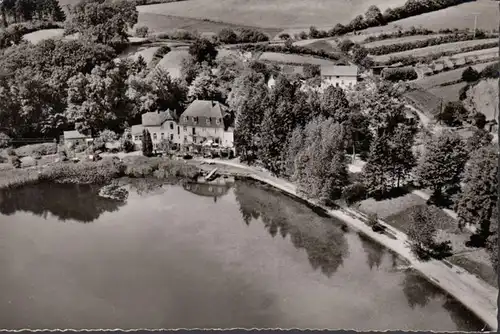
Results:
<point x="422" y="52"/>
<point x="158" y="22"/>
<point x="399" y="40"/>
<point x="480" y="54"/>
<point x="37" y="36"/>
<point x="272" y="13"/>
<point x="172" y="61"/>
<point x="460" y="17"/>
<point x="294" y="59"/>
<point x="445" y="77"/>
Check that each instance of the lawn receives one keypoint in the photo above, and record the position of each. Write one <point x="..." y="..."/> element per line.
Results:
<point x="400" y="40"/>
<point x="459" y="17"/>
<point x="271" y="13"/>
<point x="37" y="36"/>
<point x="445" y="77"/>
<point x="422" y="52"/>
<point x="484" y="97"/>
<point x="163" y="22"/>
<point x="294" y="59"/>
<point x="390" y="207"/>
<point x="172" y="61"/>
<point x="448" y="93"/>
<point x="425" y="101"/>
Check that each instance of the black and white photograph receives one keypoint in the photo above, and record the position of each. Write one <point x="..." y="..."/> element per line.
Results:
<point x="249" y="164"/>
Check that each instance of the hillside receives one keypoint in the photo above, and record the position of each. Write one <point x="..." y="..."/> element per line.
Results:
<point x="483" y="97"/>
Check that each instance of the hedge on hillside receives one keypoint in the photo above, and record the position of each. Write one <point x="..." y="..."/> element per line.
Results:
<point x="400" y="47"/>
<point x="490" y="71"/>
<point x="399" y="74"/>
<point x="294" y="49"/>
<point x="13" y="34"/>
<point x="412" y="60"/>
<point x="244" y="35"/>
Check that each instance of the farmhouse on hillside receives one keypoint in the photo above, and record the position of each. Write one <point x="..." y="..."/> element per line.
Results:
<point x="74" y="138"/>
<point x="201" y="123"/>
<point x="345" y="76"/>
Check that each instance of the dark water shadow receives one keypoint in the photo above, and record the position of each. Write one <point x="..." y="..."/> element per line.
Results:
<point x="65" y="201"/>
<point x="283" y="215"/>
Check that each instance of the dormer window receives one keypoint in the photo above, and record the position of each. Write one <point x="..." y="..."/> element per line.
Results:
<point x="217" y="121"/>
<point x="186" y="118"/>
<point x="208" y="120"/>
<point x="195" y="120"/>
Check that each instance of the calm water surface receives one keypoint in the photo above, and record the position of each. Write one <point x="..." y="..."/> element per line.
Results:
<point x="173" y="257"/>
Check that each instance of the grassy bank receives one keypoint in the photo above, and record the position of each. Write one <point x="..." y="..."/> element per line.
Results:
<point x="100" y="172"/>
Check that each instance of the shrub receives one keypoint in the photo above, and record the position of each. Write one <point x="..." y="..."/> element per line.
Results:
<point x="63" y="156"/>
<point x="36" y="155"/>
<point x="470" y="75"/>
<point x="454" y="114"/>
<point x="11" y="151"/>
<point x="490" y="71"/>
<point x="354" y="193"/>
<point x="141" y="31"/>
<point x="175" y="169"/>
<point x="15" y="161"/>
<point x="247" y="35"/>
<point x="284" y="36"/>
<point x="462" y="93"/>
<point x="228" y="36"/>
<point x="346" y="45"/>
<point x="399" y="74"/>
<point x="42" y="149"/>
<point x="99" y="172"/>
<point x="140" y="166"/>
<point x="162" y="51"/>
<point x="5" y="140"/>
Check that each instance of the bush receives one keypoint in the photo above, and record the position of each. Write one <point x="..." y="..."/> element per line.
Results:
<point x="399" y="74"/>
<point x="42" y="149"/>
<point x="140" y="166"/>
<point x="36" y="155"/>
<point x="490" y="71"/>
<point x="398" y="34"/>
<point x="462" y="93"/>
<point x="162" y="51"/>
<point x="63" y="156"/>
<point x="141" y="31"/>
<point x="174" y="169"/>
<point x="5" y="140"/>
<point x="84" y="172"/>
<point x="15" y="161"/>
<point x="479" y="120"/>
<point x="354" y="193"/>
<point x="454" y="114"/>
<point x="128" y="146"/>
<point x="470" y="75"/>
<point x="346" y="45"/>
<point x="11" y="152"/>
<point x="284" y="36"/>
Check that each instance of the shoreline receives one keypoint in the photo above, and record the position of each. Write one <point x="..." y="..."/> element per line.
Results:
<point x="475" y="294"/>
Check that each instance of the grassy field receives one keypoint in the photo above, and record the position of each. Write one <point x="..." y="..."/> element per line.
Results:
<point x="480" y="54"/>
<point x="172" y="61"/>
<point x="425" y="101"/>
<point x="325" y="45"/>
<point x="293" y="59"/>
<point x="444" y="77"/>
<point x="448" y="93"/>
<point x="460" y="17"/>
<point x="271" y="13"/>
<point x="37" y="36"/>
<point x="422" y="52"/>
<point x="399" y="40"/>
<point x="158" y="22"/>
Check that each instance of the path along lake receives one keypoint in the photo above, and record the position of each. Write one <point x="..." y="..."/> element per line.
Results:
<point x="176" y="256"/>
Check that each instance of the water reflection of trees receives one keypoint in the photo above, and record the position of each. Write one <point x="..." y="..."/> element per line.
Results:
<point x="374" y="252"/>
<point x="208" y="190"/>
<point x="326" y="248"/>
<point x="65" y="201"/>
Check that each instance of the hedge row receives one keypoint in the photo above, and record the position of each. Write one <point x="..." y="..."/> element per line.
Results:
<point x="412" y="60"/>
<point x="400" y="47"/>
<point x="399" y="74"/>
<point x="288" y="49"/>
<point x="13" y="34"/>
<point x="413" y="31"/>
<point x="243" y="35"/>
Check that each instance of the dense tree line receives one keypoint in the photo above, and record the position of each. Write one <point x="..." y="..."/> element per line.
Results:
<point x="243" y="35"/>
<point x="293" y="49"/>
<point x="399" y="47"/>
<point x="14" y="33"/>
<point x="399" y="74"/>
<point x="16" y="11"/>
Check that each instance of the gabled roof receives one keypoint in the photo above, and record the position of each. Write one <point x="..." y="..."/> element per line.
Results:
<point x="137" y="129"/>
<point x="74" y="135"/>
<point x="156" y="118"/>
<point x="204" y="108"/>
<point x="344" y="71"/>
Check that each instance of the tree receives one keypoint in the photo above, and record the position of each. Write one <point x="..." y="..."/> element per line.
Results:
<point x="422" y="230"/>
<point x="311" y="71"/>
<point x="470" y="75"/>
<point x="141" y="31"/>
<point x="373" y="16"/>
<point x="5" y="140"/>
<point x="402" y="160"/>
<point x="15" y="161"/>
<point x="227" y="36"/>
<point x="323" y="172"/>
<point x="126" y="141"/>
<point x="359" y="53"/>
<point x="337" y="30"/>
<point x="294" y="146"/>
<point x="203" y="50"/>
<point x="345" y="45"/>
<point x="284" y="36"/>
<point x="479" y="195"/>
<point x="334" y="104"/>
<point x="479" y="138"/>
<point x="454" y="113"/>
<point x="442" y="162"/>
<point x="479" y="120"/>
<point x="313" y="32"/>
<point x="376" y="172"/>
<point x="492" y="243"/>
<point x="358" y="23"/>
<point x="102" y="21"/>
<point x="358" y="135"/>
<point x="147" y="144"/>
<point x="205" y="87"/>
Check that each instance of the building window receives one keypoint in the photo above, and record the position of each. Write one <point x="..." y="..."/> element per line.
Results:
<point x="338" y="77"/>
<point x="208" y="120"/>
<point x="178" y="130"/>
<point x="171" y="136"/>
<point x="162" y="135"/>
<point x="218" y="121"/>
<point x="336" y="84"/>
<point x="154" y="136"/>
<point x="171" y="125"/>
<point x="136" y="137"/>
<point x="194" y="130"/>
<point x="185" y="129"/>
<point x="186" y="118"/>
<point x="195" y="120"/>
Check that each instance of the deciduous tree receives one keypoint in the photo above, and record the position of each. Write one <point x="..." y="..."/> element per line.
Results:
<point x="422" y="230"/>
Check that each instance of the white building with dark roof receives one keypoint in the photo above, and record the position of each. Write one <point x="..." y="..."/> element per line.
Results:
<point x="161" y="125"/>
<point x="345" y="76"/>
<point x="204" y="121"/>
<point x="74" y="138"/>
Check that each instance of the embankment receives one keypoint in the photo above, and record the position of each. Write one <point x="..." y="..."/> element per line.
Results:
<point x="471" y="291"/>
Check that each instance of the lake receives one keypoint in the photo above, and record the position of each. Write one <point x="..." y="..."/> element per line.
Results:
<point x="194" y="256"/>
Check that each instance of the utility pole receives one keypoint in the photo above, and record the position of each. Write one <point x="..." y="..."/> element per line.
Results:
<point x="475" y="24"/>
